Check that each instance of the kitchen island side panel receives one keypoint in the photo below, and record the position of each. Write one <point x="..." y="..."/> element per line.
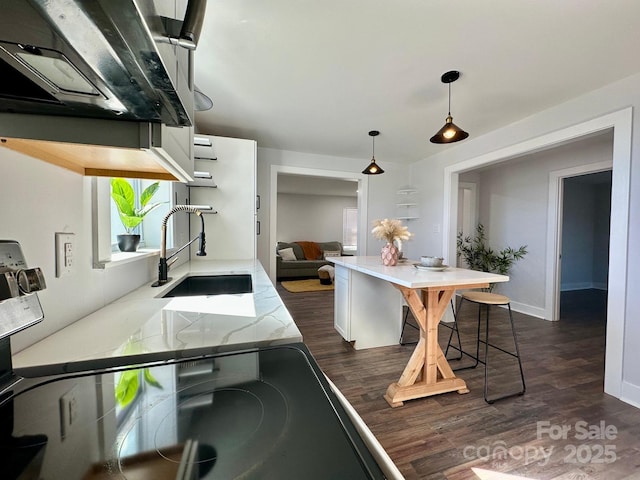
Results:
<point x="374" y="310"/>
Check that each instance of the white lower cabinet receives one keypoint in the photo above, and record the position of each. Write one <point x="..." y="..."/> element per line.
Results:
<point x="367" y="310"/>
<point x="342" y="308"/>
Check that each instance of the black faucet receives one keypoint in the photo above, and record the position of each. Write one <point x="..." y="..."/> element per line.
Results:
<point x="163" y="266"/>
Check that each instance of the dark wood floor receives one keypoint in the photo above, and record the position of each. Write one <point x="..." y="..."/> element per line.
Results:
<point x="444" y="436"/>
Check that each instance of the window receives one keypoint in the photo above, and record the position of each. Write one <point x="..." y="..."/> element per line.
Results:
<point x="106" y="224"/>
<point x="350" y="229"/>
<point x="149" y="230"/>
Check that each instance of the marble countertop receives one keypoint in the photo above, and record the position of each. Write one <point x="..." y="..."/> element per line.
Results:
<point x="142" y="326"/>
<point x="406" y="274"/>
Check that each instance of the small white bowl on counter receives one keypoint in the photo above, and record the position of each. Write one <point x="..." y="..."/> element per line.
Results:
<point x="427" y="261"/>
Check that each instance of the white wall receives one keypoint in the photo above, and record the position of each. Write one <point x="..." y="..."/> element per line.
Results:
<point x="230" y="233"/>
<point x="577" y="236"/>
<point x="601" y="236"/>
<point x="316" y="218"/>
<point x="513" y="198"/>
<point x="39" y="199"/>
<point x="611" y="98"/>
<point x="381" y="200"/>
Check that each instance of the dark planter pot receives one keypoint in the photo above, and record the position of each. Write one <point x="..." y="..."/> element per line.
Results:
<point x="128" y="242"/>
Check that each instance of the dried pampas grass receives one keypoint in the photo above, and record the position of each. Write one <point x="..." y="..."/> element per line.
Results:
<point x="390" y="230"/>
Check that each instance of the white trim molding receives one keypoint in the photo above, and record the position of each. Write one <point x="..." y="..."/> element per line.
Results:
<point x="621" y="122"/>
<point x="554" y="231"/>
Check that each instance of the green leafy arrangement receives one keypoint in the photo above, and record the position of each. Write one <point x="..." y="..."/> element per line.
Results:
<point x="129" y="381"/>
<point x="124" y="197"/>
<point x="479" y="256"/>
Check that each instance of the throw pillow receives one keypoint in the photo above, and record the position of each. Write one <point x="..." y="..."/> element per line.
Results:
<point x="287" y="254"/>
<point x="332" y="253"/>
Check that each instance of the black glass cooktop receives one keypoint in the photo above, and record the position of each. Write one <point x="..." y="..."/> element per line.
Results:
<point x="265" y="414"/>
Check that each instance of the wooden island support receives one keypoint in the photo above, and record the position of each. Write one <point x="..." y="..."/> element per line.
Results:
<point x="369" y="298"/>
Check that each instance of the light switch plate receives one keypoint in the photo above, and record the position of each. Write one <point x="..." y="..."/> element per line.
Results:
<point x="64" y="253"/>
<point x="69" y="412"/>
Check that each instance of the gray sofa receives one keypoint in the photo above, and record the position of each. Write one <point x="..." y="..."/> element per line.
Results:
<point x="302" y="268"/>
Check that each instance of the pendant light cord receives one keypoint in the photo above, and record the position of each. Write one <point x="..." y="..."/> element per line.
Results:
<point x="449" y="98"/>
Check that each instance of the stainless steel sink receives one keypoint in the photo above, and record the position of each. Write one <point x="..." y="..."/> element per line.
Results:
<point x="211" y="285"/>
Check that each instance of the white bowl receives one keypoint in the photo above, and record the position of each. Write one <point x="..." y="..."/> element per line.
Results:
<point x="431" y="261"/>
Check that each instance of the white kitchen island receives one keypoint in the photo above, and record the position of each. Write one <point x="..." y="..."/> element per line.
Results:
<point x="368" y="312"/>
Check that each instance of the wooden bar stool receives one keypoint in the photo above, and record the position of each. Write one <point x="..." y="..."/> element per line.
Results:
<point x="487" y="300"/>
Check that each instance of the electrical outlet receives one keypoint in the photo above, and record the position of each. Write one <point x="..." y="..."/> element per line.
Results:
<point x="68" y="255"/>
<point x="64" y="253"/>
<point x="68" y="412"/>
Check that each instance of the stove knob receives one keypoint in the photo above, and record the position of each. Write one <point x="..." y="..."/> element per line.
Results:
<point x="8" y="286"/>
<point x="31" y="280"/>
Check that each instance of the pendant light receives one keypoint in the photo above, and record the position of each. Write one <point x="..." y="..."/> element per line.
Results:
<point x="450" y="132"/>
<point x="201" y="102"/>
<point x="373" y="168"/>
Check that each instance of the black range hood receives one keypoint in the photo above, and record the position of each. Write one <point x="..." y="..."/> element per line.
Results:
<point x="112" y="60"/>
<point x="91" y="58"/>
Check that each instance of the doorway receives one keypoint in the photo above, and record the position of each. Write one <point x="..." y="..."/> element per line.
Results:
<point x="584" y="255"/>
<point x="362" y="194"/>
<point x="620" y="122"/>
<point x="320" y="209"/>
<point x="555" y="224"/>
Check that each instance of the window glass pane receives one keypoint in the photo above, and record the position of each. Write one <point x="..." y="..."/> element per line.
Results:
<point x="350" y="228"/>
<point x="149" y="230"/>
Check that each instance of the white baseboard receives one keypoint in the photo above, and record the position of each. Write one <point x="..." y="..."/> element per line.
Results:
<point x="528" y="309"/>
<point x="630" y="394"/>
<point x="568" y="287"/>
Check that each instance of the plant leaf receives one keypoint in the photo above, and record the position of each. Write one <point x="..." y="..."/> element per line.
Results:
<point x="127" y="387"/>
<point x="123" y="188"/>
<point x="148" y="193"/>
<point x="150" y="379"/>
<point x="143" y="211"/>
<point x="123" y="204"/>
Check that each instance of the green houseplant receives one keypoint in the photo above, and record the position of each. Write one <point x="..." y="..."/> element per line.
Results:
<point x="132" y="213"/>
<point x="129" y="381"/>
<point x="479" y="256"/>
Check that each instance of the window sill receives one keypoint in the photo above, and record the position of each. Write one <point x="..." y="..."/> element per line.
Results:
<point x="121" y="258"/>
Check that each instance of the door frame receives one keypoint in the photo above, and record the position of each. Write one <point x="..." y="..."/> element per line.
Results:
<point x="473" y="207"/>
<point x="363" y="189"/>
<point x="621" y="122"/>
<point x="554" y="231"/>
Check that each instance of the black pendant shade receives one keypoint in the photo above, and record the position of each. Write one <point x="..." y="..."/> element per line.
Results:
<point x="450" y="132"/>
<point x="373" y="168"/>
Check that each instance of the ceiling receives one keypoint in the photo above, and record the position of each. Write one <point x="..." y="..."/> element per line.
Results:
<point x="311" y="76"/>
